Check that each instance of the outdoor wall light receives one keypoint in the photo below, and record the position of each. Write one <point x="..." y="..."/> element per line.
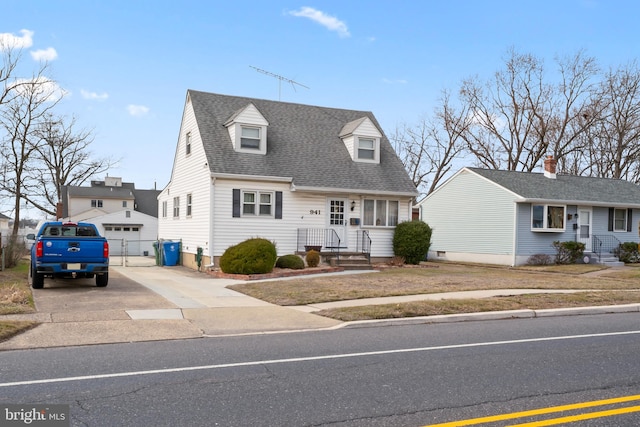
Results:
<point x="353" y="205"/>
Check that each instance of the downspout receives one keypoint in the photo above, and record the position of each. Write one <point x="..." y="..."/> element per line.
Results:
<point x="515" y="234"/>
<point x="212" y="220"/>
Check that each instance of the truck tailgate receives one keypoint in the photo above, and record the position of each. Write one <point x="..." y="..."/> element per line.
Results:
<point x="72" y="250"/>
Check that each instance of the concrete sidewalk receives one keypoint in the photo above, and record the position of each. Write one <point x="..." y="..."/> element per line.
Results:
<point x="179" y="303"/>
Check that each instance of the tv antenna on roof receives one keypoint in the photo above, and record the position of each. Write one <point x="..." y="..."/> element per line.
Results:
<point x="280" y="78"/>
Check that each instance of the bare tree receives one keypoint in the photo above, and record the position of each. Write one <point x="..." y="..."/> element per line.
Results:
<point x="518" y="117"/>
<point x="19" y="119"/>
<point x="429" y="148"/>
<point x="614" y="141"/>
<point x="63" y="159"/>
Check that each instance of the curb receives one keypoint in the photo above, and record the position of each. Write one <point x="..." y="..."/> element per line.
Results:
<point x="494" y="315"/>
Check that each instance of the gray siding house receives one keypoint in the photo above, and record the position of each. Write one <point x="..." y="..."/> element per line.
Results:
<point x="505" y="217"/>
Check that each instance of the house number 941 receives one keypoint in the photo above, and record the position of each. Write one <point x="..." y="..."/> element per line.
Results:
<point x="314" y="212"/>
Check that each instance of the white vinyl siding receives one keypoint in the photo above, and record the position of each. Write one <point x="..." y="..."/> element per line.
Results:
<point x="189" y="176"/>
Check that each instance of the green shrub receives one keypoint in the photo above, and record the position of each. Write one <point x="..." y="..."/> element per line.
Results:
<point x="628" y="252"/>
<point x="313" y="258"/>
<point x="253" y="256"/>
<point x="568" y="252"/>
<point x="411" y="241"/>
<point x="290" y="261"/>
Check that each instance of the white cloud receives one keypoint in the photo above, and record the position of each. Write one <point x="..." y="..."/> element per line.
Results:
<point x="11" y="41"/>
<point x="93" y="95"/>
<point x="45" y="88"/>
<point x="330" y="22"/>
<point x="137" y="110"/>
<point x="48" y="54"/>
<point x="396" y="81"/>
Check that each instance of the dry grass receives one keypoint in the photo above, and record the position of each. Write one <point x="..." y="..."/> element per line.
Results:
<point x="434" y="278"/>
<point x="456" y="306"/>
<point x="15" y="298"/>
<point x="612" y="286"/>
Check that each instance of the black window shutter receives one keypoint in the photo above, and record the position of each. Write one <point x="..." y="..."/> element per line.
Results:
<point x="236" y="203"/>
<point x="278" y="204"/>
<point x="610" y="219"/>
<point x="629" y="219"/>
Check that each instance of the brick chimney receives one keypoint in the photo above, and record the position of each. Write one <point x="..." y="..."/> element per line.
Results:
<point x="58" y="210"/>
<point x="550" y="167"/>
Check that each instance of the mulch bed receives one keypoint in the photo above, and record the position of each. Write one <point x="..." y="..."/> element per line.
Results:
<point x="276" y="273"/>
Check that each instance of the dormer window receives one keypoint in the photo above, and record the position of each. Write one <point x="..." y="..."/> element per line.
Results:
<point x="366" y="148"/>
<point x="248" y="130"/>
<point x="362" y="139"/>
<point x="250" y="138"/>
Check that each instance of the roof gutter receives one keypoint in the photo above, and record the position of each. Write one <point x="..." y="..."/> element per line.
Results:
<point x="581" y="203"/>
<point x="331" y="190"/>
<point x="216" y="175"/>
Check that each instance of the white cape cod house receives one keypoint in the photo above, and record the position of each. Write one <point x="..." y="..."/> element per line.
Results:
<point x="298" y="175"/>
<point x="505" y="217"/>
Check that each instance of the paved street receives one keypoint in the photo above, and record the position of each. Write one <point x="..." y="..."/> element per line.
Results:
<point x="410" y="375"/>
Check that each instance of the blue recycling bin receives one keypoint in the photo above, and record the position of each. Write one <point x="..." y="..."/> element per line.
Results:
<point x="171" y="252"/>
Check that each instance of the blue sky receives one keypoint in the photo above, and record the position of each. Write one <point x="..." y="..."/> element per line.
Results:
<point x="126" y="65"/>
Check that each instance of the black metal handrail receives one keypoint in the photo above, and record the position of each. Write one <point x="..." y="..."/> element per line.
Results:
<point x="318" y="238"/>
<point x="364" y="244"/>
<point x="604" y="242"/>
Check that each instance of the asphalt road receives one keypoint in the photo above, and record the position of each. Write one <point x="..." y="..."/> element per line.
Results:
<point x="385" y="376"/>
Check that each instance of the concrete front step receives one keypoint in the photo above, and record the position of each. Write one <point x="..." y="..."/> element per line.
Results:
<point x="352" y="262"/>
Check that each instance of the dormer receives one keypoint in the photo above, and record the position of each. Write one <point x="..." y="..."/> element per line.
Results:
<point x="248" y="130"/>
<point x="362" y="139"/>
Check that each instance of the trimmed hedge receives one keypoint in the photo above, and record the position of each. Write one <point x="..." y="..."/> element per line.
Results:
<point x="253" y="256"/>
<point x="293" y="262"/>
<point x="568" y="252"/>
<point x="313" y="258"/>
<point x="412" y="240"/>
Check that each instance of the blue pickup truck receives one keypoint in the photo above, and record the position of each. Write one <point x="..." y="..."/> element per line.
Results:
<point x="68" y="249"/>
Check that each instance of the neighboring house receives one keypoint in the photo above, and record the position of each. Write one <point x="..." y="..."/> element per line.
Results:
<point x="4" y="229"/>
<point x="504" y="217"/>
<point x="126" y="216"/>
<point x="298" y="175"/>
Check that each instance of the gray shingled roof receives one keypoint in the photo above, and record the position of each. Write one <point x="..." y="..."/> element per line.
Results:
<point x="565" y="188"/>
<point x="303" y="143"/>
<point x="101" y="192"/>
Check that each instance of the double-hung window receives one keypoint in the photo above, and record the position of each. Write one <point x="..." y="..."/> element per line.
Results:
<point x="176" y="207"/>
<point x="164" y="209"/>
<point x="366" y="148"/>
<point x="620" y="220"/>
<point x="257" y="203"/>
<point x="96" y="203"/>
<point x="380" y="213"/>
<point x="547" y="218"/>
<point x="250" y="138"/>
<point x="189" y="204"/>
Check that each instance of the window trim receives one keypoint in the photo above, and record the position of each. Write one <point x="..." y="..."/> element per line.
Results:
<point x="387" y="217"/>
<point x="258" y="139"/>
<point x="189" y="205"/>
<point x="375" y="150"/>
<point x="176" y="207"/>
<point x="257" y="203"/>
<point x="188" y="143"/>
<point x="626" y="226"/>
<point x="545" y="218"/>
<point x="164" y="208"/>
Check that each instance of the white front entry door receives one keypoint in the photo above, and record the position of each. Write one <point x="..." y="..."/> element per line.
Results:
<point x="584" y="227"/>
<point x="337" y="221"/>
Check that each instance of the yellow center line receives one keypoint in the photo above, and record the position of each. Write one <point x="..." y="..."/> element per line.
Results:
<point x="574" y="418"/>
<point x="541" y="411"/>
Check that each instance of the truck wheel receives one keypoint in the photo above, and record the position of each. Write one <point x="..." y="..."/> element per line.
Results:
<point x="37" y="279"/>
<point x="102" y="280"/>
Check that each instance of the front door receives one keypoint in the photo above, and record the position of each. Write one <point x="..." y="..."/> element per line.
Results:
<point x="584" y="227"/>
<point x="337" y="221"/>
